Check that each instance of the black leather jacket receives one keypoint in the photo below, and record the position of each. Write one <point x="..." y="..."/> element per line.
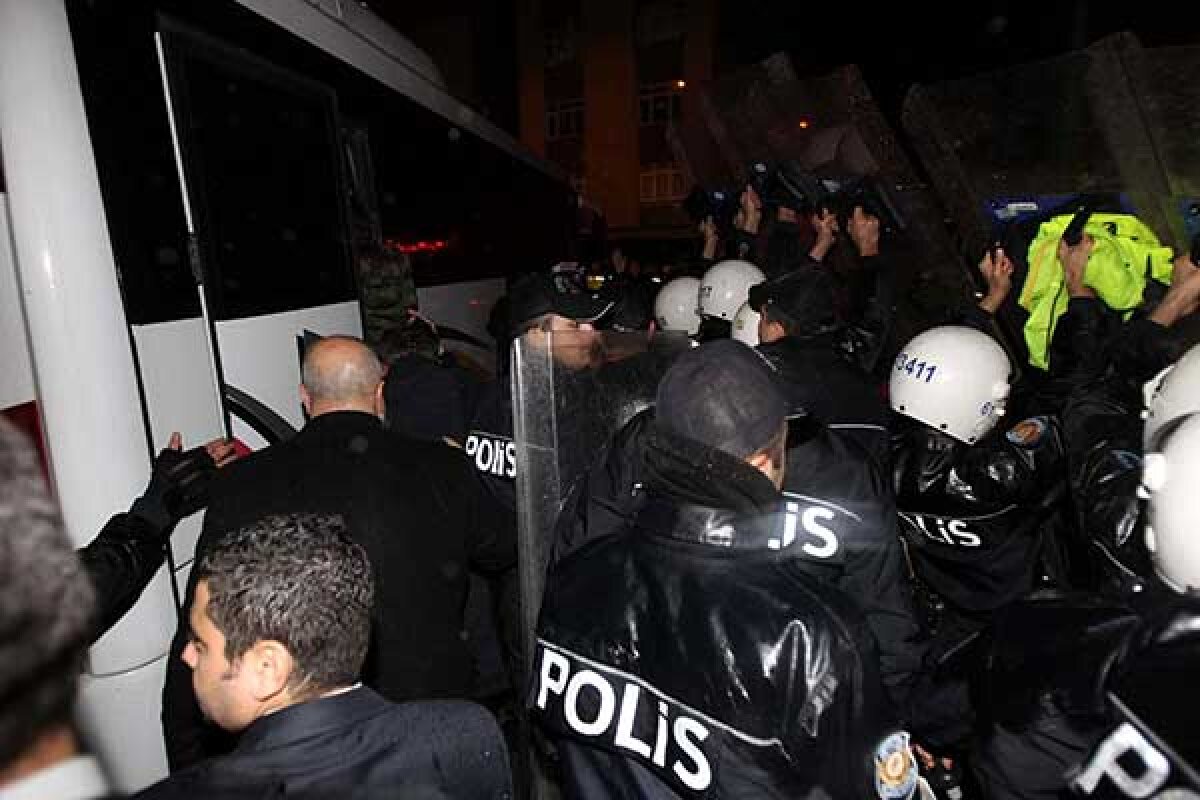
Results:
<point x="1102" y="427"/>
<point x="120" y="562"/>
<point x="691" y="655"/>
<point x="1069" y="673"/>
<point x="845" y="536"/>
<point x="975" y="519"/>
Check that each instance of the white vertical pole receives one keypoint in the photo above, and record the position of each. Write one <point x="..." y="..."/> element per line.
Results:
<point x="83" y="367"/>
<point x="79" y="343"/>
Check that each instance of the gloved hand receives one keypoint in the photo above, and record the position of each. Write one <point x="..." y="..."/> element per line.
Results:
<point x="179" y="482"/>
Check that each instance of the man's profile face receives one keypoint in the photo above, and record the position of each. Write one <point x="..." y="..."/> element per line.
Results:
<point x="576" y="345"/>
<point x="769" y="331"/>
<point x="221" y="687"/>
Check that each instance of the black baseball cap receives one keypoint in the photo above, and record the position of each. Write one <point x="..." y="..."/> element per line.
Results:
<point x="561" y="292"/>
<point x="803" y="295"/>
<point x="721" y="394"/>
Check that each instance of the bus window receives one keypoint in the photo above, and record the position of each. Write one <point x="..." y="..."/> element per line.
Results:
<point x="261" y="160"/>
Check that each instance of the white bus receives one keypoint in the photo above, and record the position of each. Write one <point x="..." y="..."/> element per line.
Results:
<point x="187" y="189"/>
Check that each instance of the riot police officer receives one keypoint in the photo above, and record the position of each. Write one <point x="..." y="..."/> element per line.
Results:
<point x="691" y="654"/>
<point x="801" y="335"/>
<point x="675" y="306"/>
<point x="723" y="290"/>
<point x="978" y="504"/>
<point x="1071" y="673"/>
<point x="540" y="303"/>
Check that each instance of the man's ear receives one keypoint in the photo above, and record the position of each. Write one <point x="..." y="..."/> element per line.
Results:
<point x="761" y="461"/>
<point x="769" y="330"/>
<point x="380" y="403"/>
<point x="270" y="665"/>
<point x="306" y="400"/>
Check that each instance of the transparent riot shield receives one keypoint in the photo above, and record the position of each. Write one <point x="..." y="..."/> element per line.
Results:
<point x="571" y="392"/>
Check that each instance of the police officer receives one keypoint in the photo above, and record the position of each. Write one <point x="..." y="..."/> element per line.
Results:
<point x="1102" y="426"/>
<point x="976" y="503"/>
<point x="675" y="306"/>
<point x="1069" y="673"/>
<point x="555" y="303"/>
<point x="848" y="540"/>
<point x="691" y="655"/>
<point x="558" y="303"/>
<point x="800" y="334"/>
<point x="723" y="290"/>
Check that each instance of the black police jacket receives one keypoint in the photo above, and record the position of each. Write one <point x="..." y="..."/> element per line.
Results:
<point x="690" y="655"/>
<point x="1092" y="694"/>
<point x="975" y="519"/>
<point x="821" y="379"/>
<point x="489" y="445"/>
<point x="844" y="533"/>
<point x="1102" y="428"/>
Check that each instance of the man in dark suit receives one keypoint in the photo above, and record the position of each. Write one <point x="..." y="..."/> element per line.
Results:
<point x="277" y="634"/>
<point x="416" y="507"/>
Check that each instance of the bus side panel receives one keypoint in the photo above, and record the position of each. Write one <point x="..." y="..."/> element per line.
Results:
<point x="259" y="355"/>
<point x="180" y="395"/>
<point x="463" y="307"/>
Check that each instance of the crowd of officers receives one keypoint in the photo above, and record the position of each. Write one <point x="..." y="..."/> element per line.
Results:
<point x="824" y="562"/>
<point x="791" y="556"/>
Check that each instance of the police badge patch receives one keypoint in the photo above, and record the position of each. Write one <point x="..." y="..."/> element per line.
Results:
<point x="895" y="768"/>
<point x="1028" y="433"/>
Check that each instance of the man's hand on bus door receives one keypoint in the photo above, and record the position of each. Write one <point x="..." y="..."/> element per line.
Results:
<point x="179" y="481"/>
<point x="223" y="451"/>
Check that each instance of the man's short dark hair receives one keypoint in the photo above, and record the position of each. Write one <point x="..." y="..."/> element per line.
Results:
<point x="772" y="313"/>
<point x="297" y="579"/>
<point x="46" y="603"/>
<point x="413" y="336"/>
<point x="722" y="395"/>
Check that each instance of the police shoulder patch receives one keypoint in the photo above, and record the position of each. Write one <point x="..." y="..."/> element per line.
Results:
<point x="1028" y="433"/>
<point x="895" y="768"/>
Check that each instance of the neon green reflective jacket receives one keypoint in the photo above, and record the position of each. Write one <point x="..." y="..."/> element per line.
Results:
<point x="1125" y="255"/>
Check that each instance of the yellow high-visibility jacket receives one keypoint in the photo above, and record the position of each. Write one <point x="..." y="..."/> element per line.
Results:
<point x="1126" y="254"/>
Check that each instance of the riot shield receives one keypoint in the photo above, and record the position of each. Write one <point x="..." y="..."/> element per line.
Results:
<point x="571" y="392"/>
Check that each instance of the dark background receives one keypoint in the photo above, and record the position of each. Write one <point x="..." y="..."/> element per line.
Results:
<point x="895" y="44"/>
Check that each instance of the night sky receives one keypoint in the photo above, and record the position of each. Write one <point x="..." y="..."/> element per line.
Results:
<point x="899" y="44"/>
<point x="895" y="44"/>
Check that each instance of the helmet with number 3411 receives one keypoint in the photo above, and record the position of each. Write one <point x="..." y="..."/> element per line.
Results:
<point x="954" y="379"/>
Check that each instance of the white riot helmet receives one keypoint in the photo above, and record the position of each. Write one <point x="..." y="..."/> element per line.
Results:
<point x="745" y="325"/>
<point x="954" y="379"/>
<point x="675" y="306"/>
<point x="1169" y="478"/>
<point x="1172" y="393"/>
<point x="726" y="286"/>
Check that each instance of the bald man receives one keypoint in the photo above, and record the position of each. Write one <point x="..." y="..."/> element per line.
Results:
<point x="415" y="507"/>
